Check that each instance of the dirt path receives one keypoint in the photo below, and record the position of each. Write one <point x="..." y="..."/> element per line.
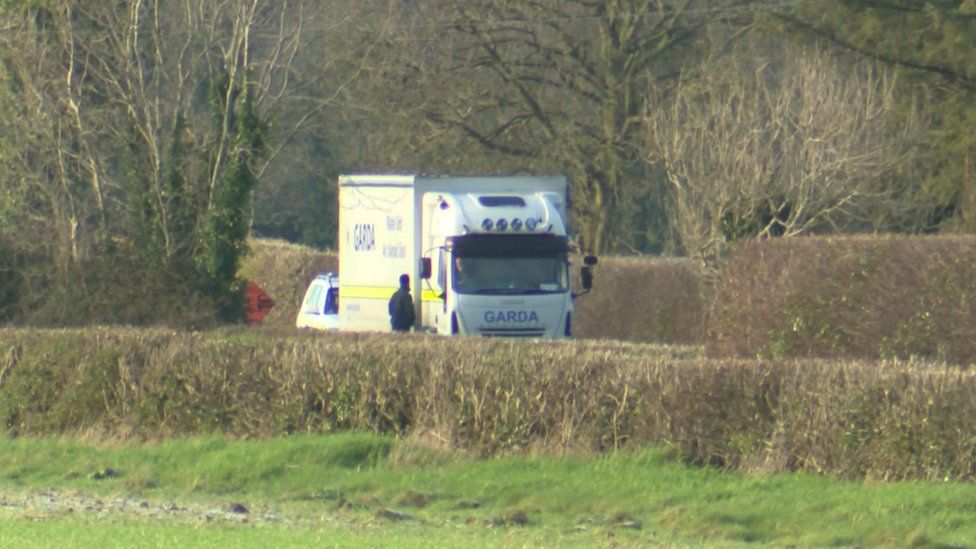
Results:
<point x="51" y="504"/>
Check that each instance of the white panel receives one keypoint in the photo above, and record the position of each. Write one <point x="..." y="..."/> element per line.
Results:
<point x="376" y="246"/>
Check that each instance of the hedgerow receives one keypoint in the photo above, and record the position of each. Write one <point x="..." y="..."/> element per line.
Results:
<point x="885" y="419"/>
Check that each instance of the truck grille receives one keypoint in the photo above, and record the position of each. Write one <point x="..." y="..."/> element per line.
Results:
<point x="513" y="332"/>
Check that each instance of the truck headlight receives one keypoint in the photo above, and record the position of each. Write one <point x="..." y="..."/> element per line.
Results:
<point x="516" y="224"/>
<point x="530" y="223"/>
<point x="487" y="224"/>
<point x="502" y="224"/>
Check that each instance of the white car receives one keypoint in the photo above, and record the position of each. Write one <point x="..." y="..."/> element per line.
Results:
<point x="320" y="308"/>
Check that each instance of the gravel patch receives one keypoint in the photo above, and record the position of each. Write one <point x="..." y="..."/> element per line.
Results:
<point x="51" y="503"/>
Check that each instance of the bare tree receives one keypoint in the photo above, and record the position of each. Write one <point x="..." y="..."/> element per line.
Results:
<point x="181" y="74"/>
<point x="146" y="122"/>
<point x="766" y="145"/>
<point x="45" y="172"/>
<point x="561" y="85"/>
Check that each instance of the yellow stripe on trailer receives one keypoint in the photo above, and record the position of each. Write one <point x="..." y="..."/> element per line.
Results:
<point x="366" y="292"/>
<point x="381" y="292"/>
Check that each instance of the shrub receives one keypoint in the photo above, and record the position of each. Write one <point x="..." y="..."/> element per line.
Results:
<point x="118" y="287"/>
<point x="644" y="299"/>
<point x="877" y="419"/>
<point x="848" y="297"/>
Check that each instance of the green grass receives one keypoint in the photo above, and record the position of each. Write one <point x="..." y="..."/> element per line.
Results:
<point x="330" y="490"/>
<point x="71" y="532"/>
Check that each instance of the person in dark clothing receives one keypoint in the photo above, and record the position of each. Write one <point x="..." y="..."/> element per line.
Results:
<point x="402" y="314"/>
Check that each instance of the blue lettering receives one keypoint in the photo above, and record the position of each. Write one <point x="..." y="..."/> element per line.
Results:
<point x="511" y="317"/>
<point x="364" y="237"/>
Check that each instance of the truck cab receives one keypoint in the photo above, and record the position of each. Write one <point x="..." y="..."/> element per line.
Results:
<point x="499" y="265"/>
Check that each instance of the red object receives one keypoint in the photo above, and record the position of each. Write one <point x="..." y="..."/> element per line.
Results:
<point x="256" y="303"/>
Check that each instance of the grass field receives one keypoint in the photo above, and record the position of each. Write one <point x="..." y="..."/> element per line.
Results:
<point x="368" y="490"/>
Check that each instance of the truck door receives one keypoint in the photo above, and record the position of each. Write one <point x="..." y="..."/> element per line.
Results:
<point x="432" y="293"/>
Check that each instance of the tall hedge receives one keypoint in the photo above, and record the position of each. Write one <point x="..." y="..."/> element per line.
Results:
<point x="869" y="297"/>
<point x="644" y="299"/>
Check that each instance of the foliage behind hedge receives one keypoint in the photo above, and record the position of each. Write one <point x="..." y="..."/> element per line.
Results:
<point x="848" y="297"/>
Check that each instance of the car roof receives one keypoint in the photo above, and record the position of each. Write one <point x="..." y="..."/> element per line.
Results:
<point x="329" y="278"/>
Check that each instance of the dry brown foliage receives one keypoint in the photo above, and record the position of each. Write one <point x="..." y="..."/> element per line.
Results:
<point x="874" y="419"/>
<point x="870" y="296"/>
<point x="644" y="299"/>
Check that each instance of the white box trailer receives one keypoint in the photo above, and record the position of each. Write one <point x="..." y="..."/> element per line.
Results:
<point x="485" y="255"/>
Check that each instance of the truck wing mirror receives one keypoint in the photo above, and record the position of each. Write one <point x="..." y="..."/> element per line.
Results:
<point x="587" y="278"/>
<point x="425" y="268"/>
<point x="589" y="260"/>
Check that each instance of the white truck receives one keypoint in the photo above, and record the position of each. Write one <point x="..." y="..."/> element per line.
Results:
<point x="485" y="255"/>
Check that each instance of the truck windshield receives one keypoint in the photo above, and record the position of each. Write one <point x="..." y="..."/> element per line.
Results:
<point x="510" y="275"/>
